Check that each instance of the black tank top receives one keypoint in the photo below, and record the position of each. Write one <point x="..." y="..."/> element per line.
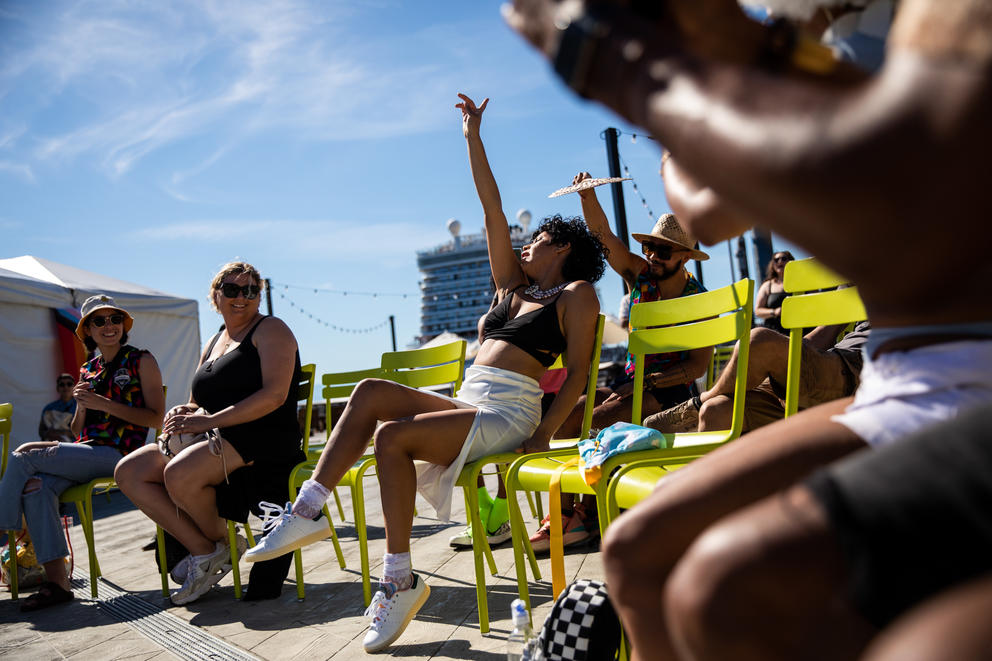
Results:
<point x="236" y="376"/>
<point x="537" y="332"/>
<point x="774" y="301"/>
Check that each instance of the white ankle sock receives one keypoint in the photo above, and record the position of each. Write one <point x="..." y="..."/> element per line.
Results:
<point x="311" y="499"/>
<point x="396" y="568"/>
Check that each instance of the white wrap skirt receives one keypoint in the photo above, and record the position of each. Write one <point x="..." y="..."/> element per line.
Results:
<point x="507" y="411"/>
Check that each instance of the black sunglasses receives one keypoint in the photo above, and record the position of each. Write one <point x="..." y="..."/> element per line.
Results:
<point x="662" y="251"/>
<point x="67" y="384"/>
<point x="782" y="258"/>
<point x="100" y="322"/>
<point x="231" y="290"/>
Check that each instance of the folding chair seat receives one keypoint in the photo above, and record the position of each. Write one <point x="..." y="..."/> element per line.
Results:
<point x="691" y="322"/>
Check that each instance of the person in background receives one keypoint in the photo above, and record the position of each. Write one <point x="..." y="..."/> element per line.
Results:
<point x="56" y="417"/>
<point x="244" y="387"/>
<point x="119" y="397"/>
<point x="768" y="302"/>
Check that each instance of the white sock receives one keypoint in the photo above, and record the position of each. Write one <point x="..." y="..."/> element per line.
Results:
<point x="396" y="568"/>
<point x="311" y="499"/>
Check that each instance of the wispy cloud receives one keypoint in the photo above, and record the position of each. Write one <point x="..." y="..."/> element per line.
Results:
<point x="131" y="79"/>
<point x="18" y="169"/>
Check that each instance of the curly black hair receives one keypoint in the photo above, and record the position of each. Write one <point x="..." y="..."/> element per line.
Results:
<point x="587" y="259"/>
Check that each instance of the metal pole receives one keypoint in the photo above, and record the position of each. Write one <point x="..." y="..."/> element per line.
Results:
<point x="392" y="330"/>
<point x="268" y="295"/>
<point x="619" y="210"/>
<point x="763" y="252"/>
<point x="742" y="256"/>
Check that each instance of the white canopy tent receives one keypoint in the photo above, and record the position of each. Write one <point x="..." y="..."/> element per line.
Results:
<point x="30" y="360"/>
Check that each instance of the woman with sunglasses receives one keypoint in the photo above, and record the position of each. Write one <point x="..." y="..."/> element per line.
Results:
<point x="118" y="398"/>
<point x="546" y="305"/>
<point x="245" y="387"/>
<point x="768" y="303"/>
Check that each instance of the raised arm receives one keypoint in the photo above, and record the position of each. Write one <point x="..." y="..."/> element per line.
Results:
<point x="504" y="263"/>
<point x="621" y="259"/>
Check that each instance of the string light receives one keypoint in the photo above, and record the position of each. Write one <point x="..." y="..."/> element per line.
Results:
<point x="327" y="324"/>
<point x="626" y="170"/>
<point x="343" y="292"/>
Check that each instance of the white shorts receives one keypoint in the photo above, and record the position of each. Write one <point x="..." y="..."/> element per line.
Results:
<point x="905" y="391"/>
<point x="508" y="410"/>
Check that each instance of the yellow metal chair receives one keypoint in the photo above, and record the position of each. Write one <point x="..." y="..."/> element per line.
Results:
<point x="335" y="385"/>
<point x="468" y="479"/>
<point x="719" y="359"/>
<point x="417" y="368"/>
<point x="6" y="423"/>
<point x="807" y="306"/>
<point x="686" y="323"/>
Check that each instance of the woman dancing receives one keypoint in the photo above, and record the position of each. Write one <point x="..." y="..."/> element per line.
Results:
<point x="546" y="306"/>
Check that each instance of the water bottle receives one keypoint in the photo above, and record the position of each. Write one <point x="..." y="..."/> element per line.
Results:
<point x="522" y="644"/>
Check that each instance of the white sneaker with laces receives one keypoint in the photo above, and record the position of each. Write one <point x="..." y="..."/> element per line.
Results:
<point x="286" y="532"/>
<point x="204" y="572"/>
<point x="181" y="569"/>
<point x="463" y="540"/>
<point x="391" y="611"/>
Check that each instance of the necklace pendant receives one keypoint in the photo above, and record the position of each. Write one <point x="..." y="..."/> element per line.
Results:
<point x="536" y="292"/>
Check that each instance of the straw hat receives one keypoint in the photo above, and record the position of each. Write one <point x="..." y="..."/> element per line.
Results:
<point x="99" y="302"/>
<point x="667" y="230"/>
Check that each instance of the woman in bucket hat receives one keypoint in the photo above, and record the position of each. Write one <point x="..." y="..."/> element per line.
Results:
<point x="119" y="397"/>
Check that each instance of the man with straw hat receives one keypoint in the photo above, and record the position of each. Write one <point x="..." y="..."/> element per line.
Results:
<point x="658" y="273"/>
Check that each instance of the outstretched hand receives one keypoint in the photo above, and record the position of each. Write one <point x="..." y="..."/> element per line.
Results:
<point x="471" y="114"/>
<point x="582" y="176"/>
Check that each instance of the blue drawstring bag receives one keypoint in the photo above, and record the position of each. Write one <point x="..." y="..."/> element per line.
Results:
<point x="618" y="437"/>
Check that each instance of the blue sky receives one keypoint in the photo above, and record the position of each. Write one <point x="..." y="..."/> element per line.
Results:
<point x="318" y="140"/>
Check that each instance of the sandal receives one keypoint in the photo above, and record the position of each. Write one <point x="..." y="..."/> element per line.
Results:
<point x="48" y="594"/>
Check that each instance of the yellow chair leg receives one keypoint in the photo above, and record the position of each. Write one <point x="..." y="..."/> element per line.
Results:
<point x="480" y="547"/>
<point x="84" y="509"/>
<point x="358" y="505"/>
<point x="160" y="537"/>
<point x="249" y="535"/>
<point x="337" y="501"/>
<point x="539" y="508"/>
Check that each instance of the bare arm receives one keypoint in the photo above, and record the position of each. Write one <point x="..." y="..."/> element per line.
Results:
<point x="149" y="415"/>
<point x="580" y="314"/>
<point x="621" y="259"/>
<point x="760" y="303"/>
<point x="277" y="353"/>
<point x="780" y="148"/>
<point x="505" y="267"/>
<point x="690" y="369"/>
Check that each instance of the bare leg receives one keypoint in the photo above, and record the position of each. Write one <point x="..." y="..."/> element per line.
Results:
<point x="768" y="356"/>
<point x="717" y="412"/>
<point x="765" y="583"/>
<point x="55" y="572"/>
<point x="190" y="478"/>
<point x="372" y="400"/>
<point x="952" y="626"/>
<point x="643" y="545"/>
<point x="435" y="437"/>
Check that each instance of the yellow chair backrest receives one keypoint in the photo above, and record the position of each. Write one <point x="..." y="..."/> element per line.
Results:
<point x="562" y="361"/>
<point x="341" y="384"/>
<point x="806" y="307"/>
<point x="304" y="394"/>
<point x="693" y="322"/>
<point x="6" y="413"/>
<point x="432" y="366"/>
<point x="721" y="356"/>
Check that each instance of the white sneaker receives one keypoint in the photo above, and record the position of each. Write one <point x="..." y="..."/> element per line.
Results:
<point x="391" y="610"/>
<point x="204" y="572"/>
<point x="287" y="532"/>
<point x="180" y="571"/>
<point x="463" y="540"/>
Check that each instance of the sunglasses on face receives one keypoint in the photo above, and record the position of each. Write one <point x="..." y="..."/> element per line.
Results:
<point x="100" y="322"/>
<point x="662" y="251"/>
<point x="781" y="258"/>
<point x="231" y="290"/>
<point x="65" y="384"/>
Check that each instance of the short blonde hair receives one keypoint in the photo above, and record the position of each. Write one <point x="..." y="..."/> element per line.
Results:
<point x="233" y="268"/>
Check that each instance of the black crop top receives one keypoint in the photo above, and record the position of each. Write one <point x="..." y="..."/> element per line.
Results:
<point x="537" y="332"/>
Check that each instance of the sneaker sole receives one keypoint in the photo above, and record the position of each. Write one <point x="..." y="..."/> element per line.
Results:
<point x="381" y="645"/>
<point x="193" y="596"/>
<point x="269" y="554"/>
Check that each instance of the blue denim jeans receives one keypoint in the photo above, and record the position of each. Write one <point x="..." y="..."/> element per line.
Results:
<point x="58" y="467"/>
